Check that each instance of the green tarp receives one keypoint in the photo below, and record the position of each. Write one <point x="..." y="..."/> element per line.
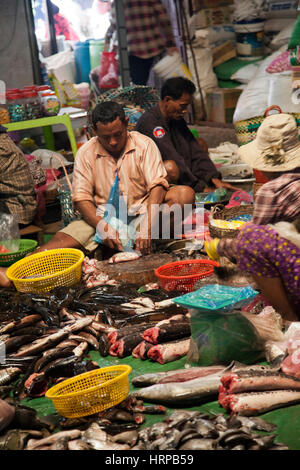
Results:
<point x="286" y="419"/>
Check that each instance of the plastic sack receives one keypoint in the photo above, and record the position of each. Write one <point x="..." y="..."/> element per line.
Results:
<point x="218" y="338"/>
<point x="108" y="75"/>
<point x="215" y="297"/>
<point x="9" y="232"/>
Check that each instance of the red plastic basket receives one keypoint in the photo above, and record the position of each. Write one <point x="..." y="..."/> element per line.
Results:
<point x="182" y="275"/>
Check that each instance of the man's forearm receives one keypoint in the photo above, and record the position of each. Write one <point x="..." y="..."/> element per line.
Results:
<point x="88" y="212"/>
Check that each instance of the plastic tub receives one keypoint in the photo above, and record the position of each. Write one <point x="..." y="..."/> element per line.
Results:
<point x="249" y="39"/>
<point x="82" y="61"/>
<point x="96" y="48"/>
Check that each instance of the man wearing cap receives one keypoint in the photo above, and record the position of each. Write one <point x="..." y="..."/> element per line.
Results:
<point x="269" y="247"/>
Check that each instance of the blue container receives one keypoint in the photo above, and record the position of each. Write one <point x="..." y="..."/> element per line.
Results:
<point x="82" y="61"/>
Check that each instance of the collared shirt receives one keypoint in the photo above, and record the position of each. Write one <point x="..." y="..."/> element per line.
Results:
<point x="149" y="31"/>
<point x="278" y="200"/>
<point x="140" y="169"/>
<point x="17" y="194"/>
<point x="176" y="142"/>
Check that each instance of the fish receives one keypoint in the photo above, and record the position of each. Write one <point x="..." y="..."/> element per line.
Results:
<point x="29" y="330"/>
<point x="141" y="350"/>
<point x="16" y="324"/>
<point x="121" y="332"/>
<point x="13" y="343"/>
<point x="194" y="391"/>
<point x="103" y="327"/>
<point x="125" y="345"/>
<point x="7" y="413"/>
<point x="248" y="380"/>
<point x="40" y="345"/>
<point x="78" y="444"/>
<point x="104" y="345"/>
<point x="8" y="375"/>
<point x="90" y="339"/>
<point x="80" y="349"/>
<point x="167" y="332"/>
<point x="69" y="435"/>
<point x="127" y="437"/>
<point x="178" y="375"/>
<point x="49" y="356"/>
<point x="124" y="256"/>
<point x="253" y="403"/>
<point x="63" y="367"/>
<point x="36" y="385"/>
<point x="168" y="352"/>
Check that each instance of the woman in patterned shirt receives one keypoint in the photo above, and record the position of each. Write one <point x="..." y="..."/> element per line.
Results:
<point x="268" y="248"/>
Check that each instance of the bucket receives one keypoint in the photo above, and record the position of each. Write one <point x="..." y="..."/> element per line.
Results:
<point x="82" y="61"/>
<point x="249" y="39"/>
<point x="96" y="48"/>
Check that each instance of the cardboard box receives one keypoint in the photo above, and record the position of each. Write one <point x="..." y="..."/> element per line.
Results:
<point x="223" y="52"/>
<point x="221" y="104"/>
<point x="212" y="16"/>
<point x="199" y="4"/>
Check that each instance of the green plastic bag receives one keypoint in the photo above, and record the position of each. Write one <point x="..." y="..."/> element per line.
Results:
<point x="220" y="338"/>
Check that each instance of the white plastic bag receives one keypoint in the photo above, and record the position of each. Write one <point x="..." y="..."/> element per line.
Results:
<point x="9" y="232"/>
<point x="254" y="100"/>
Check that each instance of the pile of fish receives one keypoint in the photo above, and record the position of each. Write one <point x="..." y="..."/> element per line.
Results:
<point x="50" y="334"/>
<point x="257" y="389"/>
<point x="193" y="430"/>
<point x="113" y="429"/>
<point x="119" y="429"/>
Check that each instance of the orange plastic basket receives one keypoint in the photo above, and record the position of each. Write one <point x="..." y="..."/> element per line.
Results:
<point x="182" y="275"/>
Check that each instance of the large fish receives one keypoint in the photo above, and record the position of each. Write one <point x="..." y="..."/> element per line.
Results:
<point x="167" y="332"/>
<point x="192" y="392"/>
<point x="125" y="345"/>
<point x="252" y="403"/>
<point x="141" y="350"/>
<point x="179" y="375"/>
<point x="248" y="380"/>
<point x="16" y="324"/>
<point x="168" y="352"/>
<point x="41" y="344"/>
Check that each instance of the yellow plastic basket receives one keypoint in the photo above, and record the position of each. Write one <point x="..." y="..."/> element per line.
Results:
<point x="91" y="392"/>
<point x="43" y="271"/>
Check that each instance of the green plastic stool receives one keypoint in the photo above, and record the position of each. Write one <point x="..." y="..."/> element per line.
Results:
<point x="46" y="124"/>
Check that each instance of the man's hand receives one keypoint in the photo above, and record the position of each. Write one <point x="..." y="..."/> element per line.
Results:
<point x="143" y="240"/>
<point x="222" y="184"/>
<point x="143" y="245"/>
<point x="109" y="235"/>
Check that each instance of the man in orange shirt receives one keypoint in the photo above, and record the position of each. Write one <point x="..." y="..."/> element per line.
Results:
<point x="131" y="161"/>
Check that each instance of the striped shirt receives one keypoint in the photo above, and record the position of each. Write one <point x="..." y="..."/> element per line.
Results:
<point x="140" y="168"/>
<point x="278" y="200"/>
<point x="149" y="31"/>
<point x="17" y="195"/>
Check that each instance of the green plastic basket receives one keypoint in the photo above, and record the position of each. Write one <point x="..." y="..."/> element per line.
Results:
<point x="26" y="246"/>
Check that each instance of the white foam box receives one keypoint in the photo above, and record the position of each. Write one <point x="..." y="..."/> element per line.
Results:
<point x="221" y="104"/>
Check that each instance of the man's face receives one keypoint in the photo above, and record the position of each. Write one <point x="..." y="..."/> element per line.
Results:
<point x="175" y="109"/>
<point x="112" y="136"/>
